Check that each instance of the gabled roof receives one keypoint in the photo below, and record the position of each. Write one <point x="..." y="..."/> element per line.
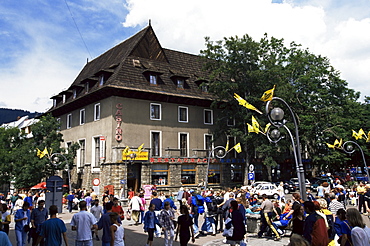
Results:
<point x="127" y="65"/>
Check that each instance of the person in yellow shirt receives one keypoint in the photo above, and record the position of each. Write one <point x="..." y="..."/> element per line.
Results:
<point x="361" y="190"/>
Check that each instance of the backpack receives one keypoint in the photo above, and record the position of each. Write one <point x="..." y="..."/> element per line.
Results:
<point x="200" y="200"/>
<point x="211" y="205"/>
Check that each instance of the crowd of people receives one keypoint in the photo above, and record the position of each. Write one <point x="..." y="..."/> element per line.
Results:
<point x="323" y="219"/>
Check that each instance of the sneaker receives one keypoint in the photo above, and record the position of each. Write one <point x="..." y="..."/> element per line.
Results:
<point x="97" y="238"/>
<point x="277" y="238"/>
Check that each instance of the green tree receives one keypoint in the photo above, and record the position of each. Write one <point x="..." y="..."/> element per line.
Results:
<point x="324" y="105"/>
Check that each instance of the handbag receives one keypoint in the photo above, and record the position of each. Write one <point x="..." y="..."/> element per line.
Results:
<point x="228" y="232"/>
<point x="128" y="215"/>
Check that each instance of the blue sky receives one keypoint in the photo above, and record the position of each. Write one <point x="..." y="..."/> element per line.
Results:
<point x="41" y="51"/>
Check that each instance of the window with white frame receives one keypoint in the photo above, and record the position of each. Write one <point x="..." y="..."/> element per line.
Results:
<point x="183" y="144"/>
<point x="69" y="121"/>
<point x="81" y="153"/>
<point x="183" y="114"/>
<point x="97" y="112"/>
<point x="208" y="116"/>
<point x="208" y="141"/>
<point x="96" y="152"/>
<point x="82" y="116"/>
<point x="153" y="79"/>
<point x="155" y="111"/>
<point x="155" y="143"/>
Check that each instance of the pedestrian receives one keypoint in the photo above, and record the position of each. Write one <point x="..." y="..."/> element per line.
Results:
<point x="280" y="191"/>
<point x="38" y="216"/>
<point x="97" y="211"/>
<point x="117" y="208"/>
<point x="70" y="199"/>
<point x="266" y="209"/>
<point x="315" y="230"/>
<point x="180" y="194"/>
<point x="105" y="224"/>
<point x="168" y="199"/>
<point x="135" y="205"/>
<point x="297" y="240"/>
<point x="334" y="205"/>
<point x="29" y="199"/>
<point x="142" y="207"/>
<point x="297" y="221"/>
<point x="184" y="226"/>
<point x="18" y="204"/>
<point x="237" y="221"/>
<point x="13" y="199"/>
<point x="166" y="220"/>
<point x="22" y="220"/>
<point x="157" y="210"/>
<point x="88" y="200"/>
<point x="6" y="219"/>
<point x="83" y="222"/>
<point x="209" y="224"/>
<point x="360" y="234"/>
<point x="117" y="231"/>
<point x="343" y="229"/>
<point x="53" y="229"/>
<point x="150" y="223"/>
<point x="4" y="239"/>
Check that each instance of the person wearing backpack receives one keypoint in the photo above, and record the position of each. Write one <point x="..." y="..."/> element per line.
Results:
<point x="209" y="224"/>
<point x="194" y="212"/>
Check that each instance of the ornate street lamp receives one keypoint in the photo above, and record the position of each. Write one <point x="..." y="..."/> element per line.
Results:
<point x="55" y="161"/>
<point x="348" y="148"/>
<point x="276" y="117"/>
<point x="220" y="152"/>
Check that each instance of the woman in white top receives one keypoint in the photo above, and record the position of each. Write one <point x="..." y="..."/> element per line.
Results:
<point x="117" y="231"/>
<point x="360" y="233"/>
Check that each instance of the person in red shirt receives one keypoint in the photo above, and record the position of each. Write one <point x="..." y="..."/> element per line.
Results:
<point x="118" y="209"/>
<point x="131" y="193"/>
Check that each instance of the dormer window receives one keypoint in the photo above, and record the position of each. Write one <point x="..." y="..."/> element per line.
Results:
<point x="153" y="79"/>
<point x="180" y="83"/>
<point x="64" y="98"/>
<point x="54" y="102"/>
<point x="203" y="85"/>
<point x="74" y="93"/>
<point x="87" y="87"/>
<point x="101" y="80"/>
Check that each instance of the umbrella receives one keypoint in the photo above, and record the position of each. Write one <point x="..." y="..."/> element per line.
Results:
<point x="39" y="186"/>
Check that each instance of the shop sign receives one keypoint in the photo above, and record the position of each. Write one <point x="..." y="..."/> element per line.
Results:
<point x="182" y="160"/>
<point x="118" y="116"/>
<point x="142" y="156"/>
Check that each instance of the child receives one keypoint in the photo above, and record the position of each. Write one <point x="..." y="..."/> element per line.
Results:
<point x="117" y="231"/>
<point x="150" y="220"/>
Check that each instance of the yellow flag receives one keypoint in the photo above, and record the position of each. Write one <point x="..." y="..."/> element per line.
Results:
<point x="250" y="128"/>
<point x="355" y="135"/>
<point x="244" y="103"/>
<point x="361" y="133"/>
<point x="238" y="148"/>
<point x="125" y="152"/>
<point x="267" y="127"/>
<point x="340" y="143"/>
<point x="140" y="148"/>
<point x="39" y="153"/>
<point x="256" y="126"/>
<point x="227" y="145"/>
<point x="336" y="142"/>
<point x="268" y="95"/>
<point x="368" y="137"/>
<point x="330" y="146"/>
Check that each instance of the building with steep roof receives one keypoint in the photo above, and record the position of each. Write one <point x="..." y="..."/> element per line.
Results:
<point x="140" y="93"/>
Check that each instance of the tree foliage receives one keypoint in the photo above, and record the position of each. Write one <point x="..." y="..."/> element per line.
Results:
<point x="322" y="102"/>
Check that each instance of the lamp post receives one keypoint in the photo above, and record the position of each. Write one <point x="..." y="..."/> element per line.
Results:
<point x="348" y="148"/>
<point x="132" y="157"/>
<point x="220" y="152"/>
<point x="276" y="117"/>
<point x="55" y="161"/>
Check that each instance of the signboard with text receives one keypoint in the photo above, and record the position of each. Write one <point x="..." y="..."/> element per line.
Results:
<point x="142" y="156"/>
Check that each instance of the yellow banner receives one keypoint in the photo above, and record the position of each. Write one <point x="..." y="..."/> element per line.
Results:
<point x="142" y="156"/>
